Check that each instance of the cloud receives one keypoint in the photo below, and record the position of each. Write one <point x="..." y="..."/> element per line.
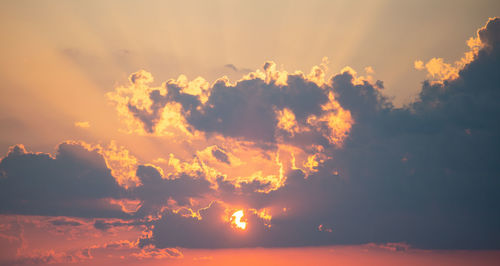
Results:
<point x="236" y="69"/>
<point x="310" y="161"/>
<point x="51" y="257"/>
<point x="11" y="239"/>
<point x="369" y="70"/>
<point x="213" y="229"/>
<point x="91" y="181"/>
<point x="65" y="222"/>
<point x="284" y="217"/>
<point x="231" y="66"/>
<point x="156" y="190"/>
<point x="141" y="77"/>
<point x="220" y="155"/>
<point x="146" y="110"/>
<point x="104" y="225"/>
<point x="246" y="110"/>
<point x="122" y="249"/>
<point x="425" y="175"/>
<point x="394" y="247"/>
<point x="76" y="182"/>
<point x="155" y="253"/>
<point x="417" y="172"/>
<point x="439" y="71"/>
<point x="270" y="116"/>
<point x="132" y="251"/>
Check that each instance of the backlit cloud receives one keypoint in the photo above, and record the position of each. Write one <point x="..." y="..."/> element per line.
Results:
<point x="302" y="159"/>
<point x="402" y="175"/>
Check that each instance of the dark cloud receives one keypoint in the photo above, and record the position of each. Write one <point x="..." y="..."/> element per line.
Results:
<point x="231" y="66"/>
<point x="364" y="101"/>
<point x="156" y="190"/>
<point x="75" y="182"/>
<point x="426" y="175"/>
<point x="65" y="222"/>
<point x="212" y="231"/>
<point x="150" y="117"/>
<point x="248" y="109"/>
<point x="298" y="226"/>
<point x="245" y="110"/>
<point x="105" y="225"/>
<point x="236" y="69"/>
<point x="220" y="155"/>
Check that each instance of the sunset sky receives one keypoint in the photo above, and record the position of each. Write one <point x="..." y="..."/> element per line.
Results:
<point x="250" y="132"/>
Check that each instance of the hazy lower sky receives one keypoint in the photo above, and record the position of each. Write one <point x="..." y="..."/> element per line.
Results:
<point x="138" y="128"/>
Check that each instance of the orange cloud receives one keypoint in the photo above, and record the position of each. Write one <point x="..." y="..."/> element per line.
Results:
<point x="439" y="71"/>
<point x="122" y="164"/>
<point x="142" y="115"/>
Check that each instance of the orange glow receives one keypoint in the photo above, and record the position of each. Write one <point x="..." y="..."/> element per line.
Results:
<point x="331" y="255"/>
<point x="236" y="219"/>
<point x="338" y="120"/>
<point x="287" y="121"/>
<point x="127" y="206"/>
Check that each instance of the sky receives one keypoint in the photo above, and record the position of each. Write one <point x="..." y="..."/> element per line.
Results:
<point x="238" y="132"/>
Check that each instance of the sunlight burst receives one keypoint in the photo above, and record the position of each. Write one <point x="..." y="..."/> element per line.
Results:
<point x="236" y="219"/>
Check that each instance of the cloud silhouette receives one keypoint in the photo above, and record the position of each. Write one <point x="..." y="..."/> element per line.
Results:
<point x="76" y="182"/>
<point x="425" y="174"/>
<point x="251" y="109"/>
<point x="351" y="167"/>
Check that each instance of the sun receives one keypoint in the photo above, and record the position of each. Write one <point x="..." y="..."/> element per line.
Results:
<point x="236" y="220"/>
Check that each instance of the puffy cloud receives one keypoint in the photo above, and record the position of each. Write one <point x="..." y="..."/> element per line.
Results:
<point x="255" y="129"/>
<point x="76" y="182"/>
<point x="156" y="190"/>
<point x="252" y="109"/>
<point x="146" y="110"/>
<point x="141" y="77"/>
<point x="90" y="181"/>
<point x="489" y="35"/>
<point x="122" y="164"/>
<point x="425" y="175"/>
<point x="439" y="71"/>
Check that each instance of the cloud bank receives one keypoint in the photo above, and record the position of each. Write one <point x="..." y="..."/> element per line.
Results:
<point x="310" y="160"/>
